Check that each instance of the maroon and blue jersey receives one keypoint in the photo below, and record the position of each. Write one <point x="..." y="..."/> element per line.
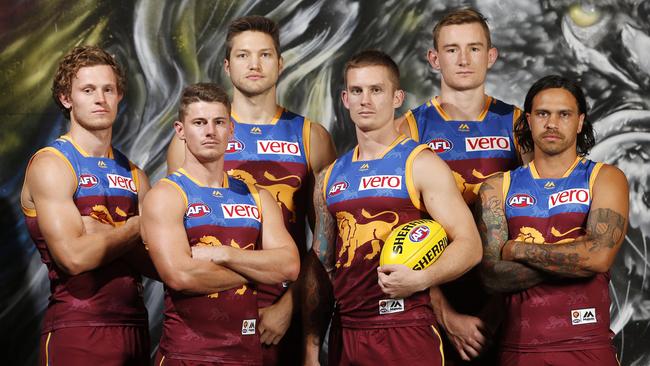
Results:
<point x="369" y="199"/>
<point x="275" y="157"/>
<point x="474" y="150"/>
<point x="220" y="327"/>
<point x="562" y="314"/>
<point x="109" y="295"/>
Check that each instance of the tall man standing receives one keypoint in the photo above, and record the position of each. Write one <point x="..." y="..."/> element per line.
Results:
<point x="472" y="132"/>
<point x="551" y="231"/>
<point x="80" y="199"/>
<point x="356" y="213"/>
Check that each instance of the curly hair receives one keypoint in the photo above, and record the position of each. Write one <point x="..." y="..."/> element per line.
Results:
<point x="82" y="56"/>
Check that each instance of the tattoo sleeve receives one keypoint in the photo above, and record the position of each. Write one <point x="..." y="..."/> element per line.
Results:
<point x="499" y="275"/>
<point x="581" y="258"/>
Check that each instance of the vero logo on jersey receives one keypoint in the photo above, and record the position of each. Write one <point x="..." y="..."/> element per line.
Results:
<point x="575" y="195"/>
<point x="487" y="143"/>
<point x="521" y="200"/>
<point x="278" y="147"/>
<point x="380" y="182"/>
<point x="121" y="182"/>
<point x="197" y="210"/>
<point x="419" y="233"/>
<point x="338" y="187"/>
<point x="240" y="211"/>
<point x="234" y="146"/>
<point x="440" y="145"/>
<point x="87" y="181"/>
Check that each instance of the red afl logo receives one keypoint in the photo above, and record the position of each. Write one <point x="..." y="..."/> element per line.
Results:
<point x="338" y="187"/>
<point x="419" y="233"/>
<point x="197" y="210"/>
<point x="87" y="181"/>
<point x="521" y="200"/>
<point x="234" y="146"/>
<point x="440" y="145"/>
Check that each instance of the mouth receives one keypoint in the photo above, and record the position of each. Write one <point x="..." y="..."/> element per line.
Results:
<point x="551" y="136"/>
<point x="254" y="77"/>
<point x="100" y="111"/>
<point x="366" y="113"/>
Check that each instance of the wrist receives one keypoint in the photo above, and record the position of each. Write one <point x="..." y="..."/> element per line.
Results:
<point x="507" y="251"/>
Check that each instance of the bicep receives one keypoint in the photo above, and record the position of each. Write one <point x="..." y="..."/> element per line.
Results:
<point x="325" y="227"/>
<point x="608" y="215"/>
<point x="322" y="148"/>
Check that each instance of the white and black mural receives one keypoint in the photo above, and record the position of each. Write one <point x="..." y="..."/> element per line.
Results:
<point x="167" y="44"/>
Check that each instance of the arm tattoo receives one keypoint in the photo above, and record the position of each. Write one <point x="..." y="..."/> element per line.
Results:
<point x="499" y="275"/>
<point x="605" y="231"/>
<point x="325" y="230"/>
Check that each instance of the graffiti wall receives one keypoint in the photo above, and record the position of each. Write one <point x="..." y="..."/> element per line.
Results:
<point x="168" y="44"/>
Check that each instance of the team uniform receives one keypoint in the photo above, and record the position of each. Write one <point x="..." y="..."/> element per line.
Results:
<point x="276" y="157"/>
<point x="220" y="328"/>
<point x="563" y="321"/>
<point x="474" y="150"/>
<point x="369" y="199"/>
<point x="104" y="305"/>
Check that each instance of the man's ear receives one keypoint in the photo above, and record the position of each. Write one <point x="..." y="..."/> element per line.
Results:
<point x="180" y="131"/>
<point x="65" y="100"/>
<point x="493" y="54"/>
<point x="432" y="57"/>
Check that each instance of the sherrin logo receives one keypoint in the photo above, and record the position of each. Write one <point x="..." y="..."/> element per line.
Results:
<point x="197" y="210"/>
<point x="121" y="182"/>
<point x="87" y="181"/>
<point x="487" y="143"/>
<point x="338" y="187"/>
<point x="278" y="147"/>
<point x="440" y="145"/>
<point x="521" y="200"/>
<point x="380" y="182"/>
<point x="419" y="233"/>
<point x="240" y="211"/>
<point x="574" y="195"/>
<point x="234" y="146"/>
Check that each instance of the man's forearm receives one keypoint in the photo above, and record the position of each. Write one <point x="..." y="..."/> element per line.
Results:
<point x="507" y="276"/>
<point x="317" y="301"/>
<point x="268" y="266"/>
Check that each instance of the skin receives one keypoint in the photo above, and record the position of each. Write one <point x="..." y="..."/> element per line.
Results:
<point x="80" y="243"/>
<point x="206" y="129"/>
<point x="371" y="99"/>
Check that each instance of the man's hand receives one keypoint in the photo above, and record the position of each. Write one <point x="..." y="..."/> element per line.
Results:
<point x="274" y="322"/>
<point x="398" y="281"/>
<point x="467" y="333"/>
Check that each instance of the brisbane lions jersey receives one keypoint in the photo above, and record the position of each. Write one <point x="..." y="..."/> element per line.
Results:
<point x="107" y="189"/>
<point x="562" y="314"/>
<point x="369" y="199"/>
<point x="474" y="150"/>
<point x="219" y="327"/>
<point x="275" y="157"/>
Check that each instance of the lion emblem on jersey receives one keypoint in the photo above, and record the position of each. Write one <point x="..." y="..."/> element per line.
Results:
<point x="212" y="241"/>
<point x="279" y="189"/>
<point x="355" y="235"/>
<point x="532" y="235"/>
<point x="469" y="191"/>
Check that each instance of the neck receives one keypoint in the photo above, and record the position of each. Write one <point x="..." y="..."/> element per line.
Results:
<point x="94" y="143"/>
<point x="257" y="109"/>
<point x="209" y="174"/>
<point x="462" y="105"/>
<point x="554" y="166"/>
<point x="372" y="144"/>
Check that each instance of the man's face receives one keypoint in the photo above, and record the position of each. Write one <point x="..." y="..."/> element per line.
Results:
<point x="206" y="129"/>
<point x="555" y="121"/>
<point x="94" y="98"/>
<point x="463" y="56"/>
<point x="254" y="64"/>
<point x="371" y="97"/>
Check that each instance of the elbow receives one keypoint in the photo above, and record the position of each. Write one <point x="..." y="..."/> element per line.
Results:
<point x="178" y="282"/>
<point x="599" y="264"/>
<point x="73" y="266"/>
<point x="293" y="271"/>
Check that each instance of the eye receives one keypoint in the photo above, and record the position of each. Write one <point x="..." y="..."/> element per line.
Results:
<point x="87" y="90"/>
<point x="266" y="54"/>
<point x="541" y="114"/>
<point x="565" y="114"/>
<point x="475" y="49"/>
<point x="355" y="91"/>
<point x="450" y="50"/>
<point x="240" y="55"/>
<point x="376" y="90"/>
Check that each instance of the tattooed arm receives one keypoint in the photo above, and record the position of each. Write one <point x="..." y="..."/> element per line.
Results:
<point x="593" y="253"/>
<point x="316" y="289"/>
<point x="497" y="274"/>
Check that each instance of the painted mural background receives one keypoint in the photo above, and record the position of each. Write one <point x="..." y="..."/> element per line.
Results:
<point x="167" y="44"/>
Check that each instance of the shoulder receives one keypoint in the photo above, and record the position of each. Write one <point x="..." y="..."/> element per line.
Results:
<point x="500" y="107"/>
<point x="164" y="195"/>
<point x="610" y="177"/>
<point x="318" y="132"/>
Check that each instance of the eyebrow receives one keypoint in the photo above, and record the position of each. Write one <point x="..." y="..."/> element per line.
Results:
<point x="457" y="45"/>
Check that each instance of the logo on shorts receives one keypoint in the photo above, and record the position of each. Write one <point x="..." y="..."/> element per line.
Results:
<point x="87" y="181"/>
<point x="583" y="316"/>
<point x="390" y="306"/>
<point x="248" y="326"/>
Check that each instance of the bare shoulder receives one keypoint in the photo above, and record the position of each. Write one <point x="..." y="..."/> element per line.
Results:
<point x="321" y="146"/>
<point x="494" y="182"/>
<point x="163" y="197"/>
<point x="428" y="161"/>
<point x="610" y="177"/>
<point x="48" y="172"/>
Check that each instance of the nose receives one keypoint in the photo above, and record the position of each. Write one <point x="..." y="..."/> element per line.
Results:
<point x="254" y="62"/>
<point x="365" y="98"/>
<point x="210" y="129"/>
<point x="463" y="59"/>
<point x="552" y="121"/>
<point x="100" y="97"/>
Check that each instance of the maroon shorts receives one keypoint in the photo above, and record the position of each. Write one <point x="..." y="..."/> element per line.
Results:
<point x="105" y="345"/>
<point x="590" y="357"/>
<point x="161" y="360"/>
<point x="400" y="346"/>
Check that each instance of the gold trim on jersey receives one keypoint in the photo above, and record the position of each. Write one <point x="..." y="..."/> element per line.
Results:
<point x="224" y="183"/>
<point x="178" y="188"/>
<point x="83" y="152"/>
<point x="515" y="116"/>
<point x="256" y="197"/>
<point x="535" y="173"/>
<point x="47" y="349"/>
<point x="412" y="124"/>
<point x="327" y="178"/>
<point x="408" y="177"/>
<point x="592" y="179"/>
<point x="278" y="113"/>
<point x="162" y="359"/>
<point x="398" y="140"/>
<point x="505" y="188"/>
<point x="442" y="351"/>
<point x="306" y="135"/>
<point x="447" y="118"/>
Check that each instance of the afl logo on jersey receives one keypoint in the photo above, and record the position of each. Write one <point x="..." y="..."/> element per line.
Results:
<point x="234" y="146"/>
<point x="419" y="233"/>
<point x="440" y="145"/>
<point x="197" y="210"/>
<point x="87" y="181"/>
<point x="520" y="200"/>
<point x="338" y="187"/>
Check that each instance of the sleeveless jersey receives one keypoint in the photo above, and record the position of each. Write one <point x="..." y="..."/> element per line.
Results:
<point x="567" y="313"/>
<point x="369" y="199"/>
<point x="219" y="327"/>
<point x="276" y="158"/>
<point x="474" y="150"/>
<point x="107" y="189"/>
